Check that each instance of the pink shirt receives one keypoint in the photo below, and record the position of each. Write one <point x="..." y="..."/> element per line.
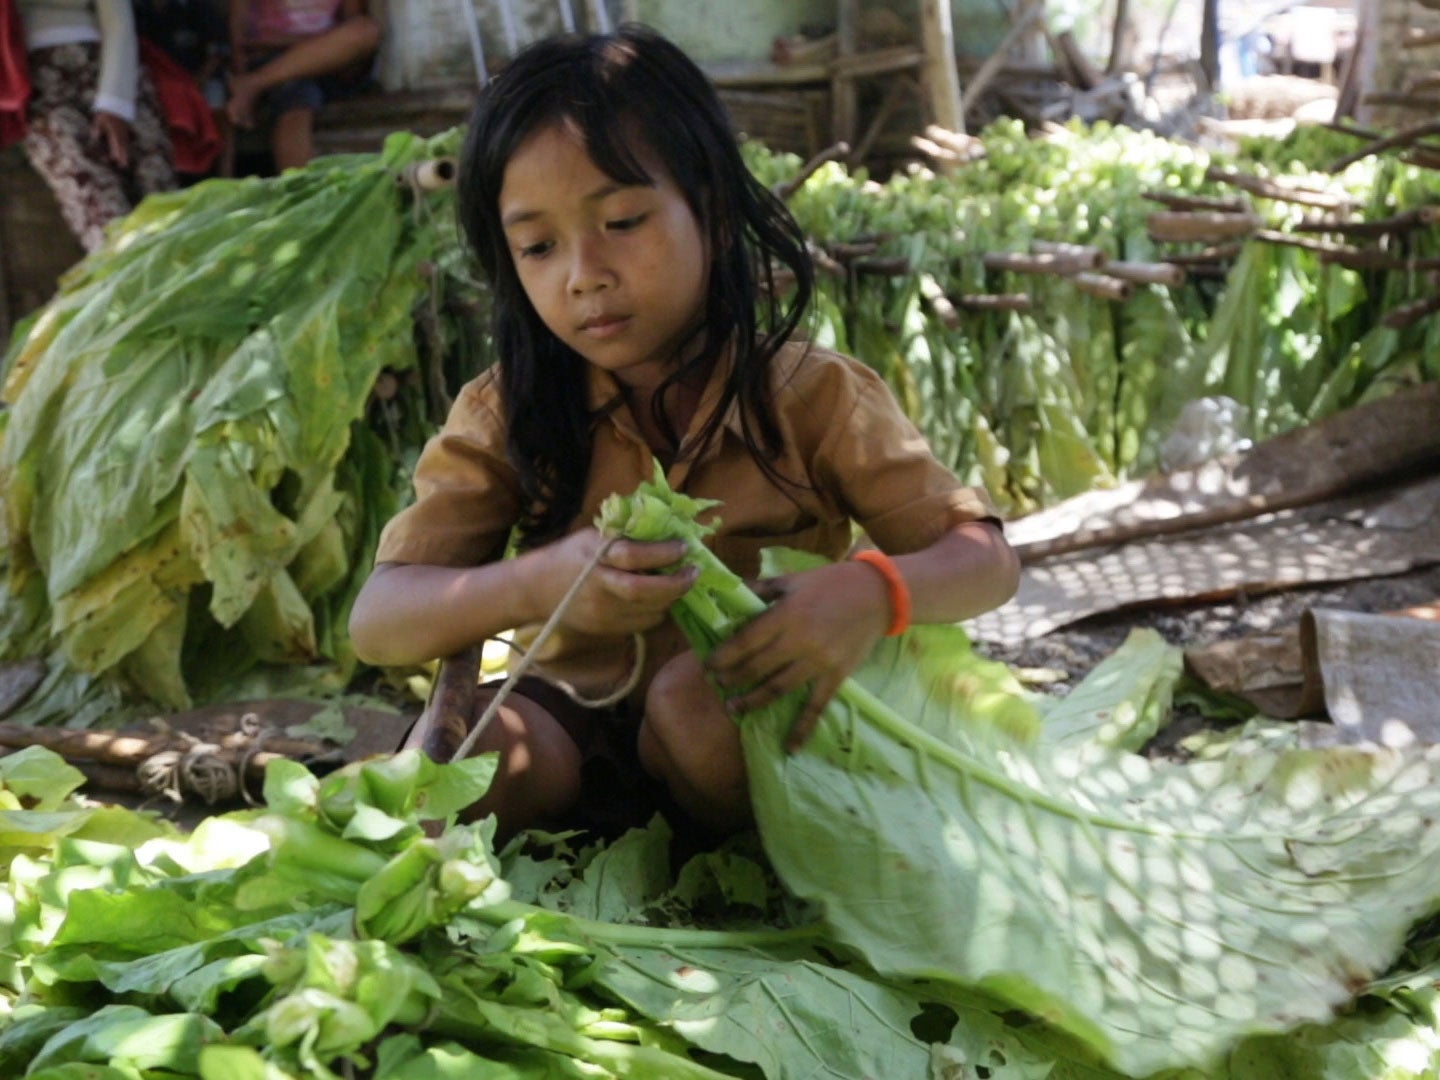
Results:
<point x="271" y="20"/>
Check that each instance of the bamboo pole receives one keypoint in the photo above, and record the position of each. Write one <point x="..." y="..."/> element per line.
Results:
<point x="1268" y="189"/>
<point x="1404" y="137"/>
<point x="787" y="188"/>
<point x="1199" y="202"/>
<point x="1397" y="223"/>
<point x="1195" y="260"/>
<point x="938" y="74"/>
<point x="1179" y="225"/>
<point x="1147" y="273"/>
<point x="1409" y="314"/>
<point x="1018" y="262"/>
<point x="1087" y="255"/>
<point x="1102" y="286"/>
<point x="995" y="301"/>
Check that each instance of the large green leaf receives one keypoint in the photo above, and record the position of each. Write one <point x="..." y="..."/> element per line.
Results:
<point x="1159" y="912"/>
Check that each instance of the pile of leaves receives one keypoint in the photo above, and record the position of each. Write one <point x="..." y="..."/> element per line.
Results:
<point x="196" y="460"/>
<point x="1078" y="391"/>
<point x="957" y="880"/>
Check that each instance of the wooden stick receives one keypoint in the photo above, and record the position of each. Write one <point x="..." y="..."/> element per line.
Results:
<point x="1179" y="225"/>
<point x="1019" y="262"/>
<point x="1198" y="202"/>
<point x="1353" y="129"/>
<point x="995" y="301"/>
<point x="934" y="296"/>
<point x="939" y="80"/>
<point x="1102" y="285"/>
<point x="1422" y="158"/>
<point x="824" y="262"/>
<point x="132" y="748"/>
<point x="1284" y="239"/>
<point x="1410" y="219"/>
<point x="1268" y="189"/>
<point x="878" y="62"/>
<point x="1409" y="314"/>
<point x="1086" y="255"/>
<point x="881" y="265"/>
<point x="996" y="60"/>
<point x="448" y="714"/>
<point x="1404" y="137"/>
<point x="1375" y="259"/>
<point x="786" y="188"/>
<point x="1147" y="273"/>
<point x="1418" y="39"/>
<point x="1206" y="257"/>
<point x="1400" y="100"/>
<point x="845" y="250"/>
<point x="1087" y="75"/>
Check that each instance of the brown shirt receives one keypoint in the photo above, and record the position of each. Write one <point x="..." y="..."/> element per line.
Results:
<point x="856" y="456"/>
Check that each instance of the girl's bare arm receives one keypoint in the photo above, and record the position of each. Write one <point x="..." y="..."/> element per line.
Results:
<point x="413" y="613"/>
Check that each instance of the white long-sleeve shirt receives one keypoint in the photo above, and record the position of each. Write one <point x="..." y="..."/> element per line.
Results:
<point x="109" y="22"/>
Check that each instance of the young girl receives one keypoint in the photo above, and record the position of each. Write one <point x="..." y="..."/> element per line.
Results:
<point x="631" y="255"/>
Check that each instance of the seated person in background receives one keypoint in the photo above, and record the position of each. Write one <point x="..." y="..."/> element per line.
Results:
<point x="94" y="129"/>
<point x="194" y="34"/>
<point x="295" y="54"/>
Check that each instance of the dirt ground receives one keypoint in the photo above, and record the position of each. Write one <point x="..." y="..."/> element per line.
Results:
<point x="1069" y="653"/>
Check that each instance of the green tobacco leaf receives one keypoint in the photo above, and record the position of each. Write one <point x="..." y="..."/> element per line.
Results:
<point x="1160" y="913"/>
<point x="1122" y="703"/>
<point x="123" y="1035"/>
<point x="783" y="1010"/>
<point x="39" y="777"/>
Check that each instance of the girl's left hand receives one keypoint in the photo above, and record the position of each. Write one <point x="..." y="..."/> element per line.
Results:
<point x="822" y="625"/>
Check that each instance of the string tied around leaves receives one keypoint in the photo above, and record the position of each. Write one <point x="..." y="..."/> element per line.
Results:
<point x="527" y="658"/>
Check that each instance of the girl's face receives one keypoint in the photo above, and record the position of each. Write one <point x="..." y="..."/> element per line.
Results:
<point x="618" y="272"/>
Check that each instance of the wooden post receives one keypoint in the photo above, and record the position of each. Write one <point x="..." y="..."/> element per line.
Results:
<point x="938" y="74"/>
<point x="1210" y="44"/>
<point x="1119" y="38"/>
<point x="844" y="100"/>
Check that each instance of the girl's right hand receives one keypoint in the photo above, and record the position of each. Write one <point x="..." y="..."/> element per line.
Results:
<point x="114" y="133"/>
<point x="625" y="592"/>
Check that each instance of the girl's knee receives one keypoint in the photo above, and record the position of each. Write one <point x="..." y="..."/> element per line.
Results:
<point x="685" y="727"/>
<point x="676" y="700"/>
<point x="363" y="31"/>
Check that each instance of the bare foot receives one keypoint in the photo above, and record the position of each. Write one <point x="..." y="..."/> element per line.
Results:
<point x="241" y="105"/>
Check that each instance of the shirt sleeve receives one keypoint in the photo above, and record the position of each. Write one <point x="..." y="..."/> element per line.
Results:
<point x="467" y="495"/>
<point x="885" y="475"/>
<point x="119" y="59"/>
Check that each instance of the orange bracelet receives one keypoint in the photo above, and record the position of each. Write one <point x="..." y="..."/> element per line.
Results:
<point x="899" y="591"/>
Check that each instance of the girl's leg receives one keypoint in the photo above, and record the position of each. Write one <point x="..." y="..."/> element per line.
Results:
<point x="690" y="742"/>
<point x="292" y="142"/>
<point x="60" y="146"/>
<point x="352" y="40"/>
<point x="539" y="771"/>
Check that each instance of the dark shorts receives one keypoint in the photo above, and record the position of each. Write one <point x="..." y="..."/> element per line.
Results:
<point x="616" y="793"/>
<point x="308" y="93"/>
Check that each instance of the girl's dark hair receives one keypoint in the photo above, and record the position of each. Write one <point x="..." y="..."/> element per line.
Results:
<point x="614" y="90"/>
